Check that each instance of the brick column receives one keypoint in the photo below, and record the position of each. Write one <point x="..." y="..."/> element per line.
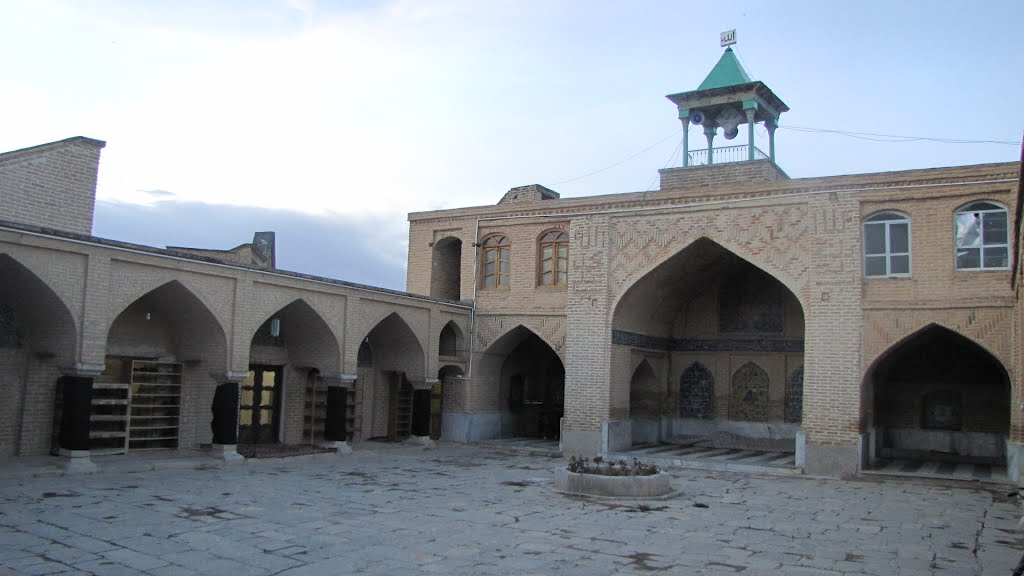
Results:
<point x="225" y="416"/>
<point x="833" y="328"/>
<point x="588" y="338"/>
<point x="336" y="425"/>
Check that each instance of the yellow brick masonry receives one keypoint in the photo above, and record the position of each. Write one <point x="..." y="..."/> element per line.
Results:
<point x="805" y="232"/>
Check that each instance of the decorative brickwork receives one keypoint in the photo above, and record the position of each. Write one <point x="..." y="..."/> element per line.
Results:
<point x="551" y="329"/>
<point x="771" y="237"/>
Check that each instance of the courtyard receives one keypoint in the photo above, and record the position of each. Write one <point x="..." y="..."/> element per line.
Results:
<point x="397" y="509"/>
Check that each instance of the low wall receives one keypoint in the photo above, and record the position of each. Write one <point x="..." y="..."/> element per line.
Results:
<point x="613" y="486"/>
<point x="899" y="441"/>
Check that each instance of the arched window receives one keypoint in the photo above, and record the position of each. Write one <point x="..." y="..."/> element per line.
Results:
<point x="496" y="261"/>
<point x="982" y="236"/>
<point x="554" y="259"/>
<point x="887" y="245"/>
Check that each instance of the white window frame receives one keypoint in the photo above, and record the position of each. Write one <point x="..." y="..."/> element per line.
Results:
<point x="970" y="208"/>
<point x="895" y="218"/>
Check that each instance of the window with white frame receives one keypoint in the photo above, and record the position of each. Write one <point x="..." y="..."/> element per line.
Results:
<point x="982" y="235"/>
<point x="887" y="245"/>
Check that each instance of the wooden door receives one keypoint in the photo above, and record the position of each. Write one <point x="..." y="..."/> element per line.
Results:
<point x="259" y="406"/>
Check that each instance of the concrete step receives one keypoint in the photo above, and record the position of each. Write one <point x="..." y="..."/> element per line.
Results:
<point x="718" y="460"/>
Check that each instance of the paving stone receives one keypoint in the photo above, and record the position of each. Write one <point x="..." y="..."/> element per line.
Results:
<point x="453" y="511"/>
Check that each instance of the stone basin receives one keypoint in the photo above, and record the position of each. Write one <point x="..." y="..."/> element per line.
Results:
<point x="613" y="486"/>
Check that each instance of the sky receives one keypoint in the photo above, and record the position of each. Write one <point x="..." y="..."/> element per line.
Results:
<point x="329" y="121"/>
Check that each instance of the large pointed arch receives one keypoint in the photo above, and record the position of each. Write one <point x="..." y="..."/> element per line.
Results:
<point x="38" y="336"/>
<point x="937" y="394"/>
<point x="392" y="360"/>
<point x="288" y="354"/>
<point x="167" y="329"/>
<point x="912" y="330"/>
<point x="169" y="320"/>
<point x="303" y="330"/>
<point x="33" y="314"/>
<point x="710" y="305"/>
<point x="522" y="377"/>
<point x="655" y="270"/>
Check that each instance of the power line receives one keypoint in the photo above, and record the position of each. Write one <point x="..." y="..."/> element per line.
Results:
<point x="869" y="136"/>
<point x="624" y="160"/>
<point x="893" y="138"/>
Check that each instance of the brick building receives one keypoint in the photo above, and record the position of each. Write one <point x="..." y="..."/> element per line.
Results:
<point x="855" y="318"/>
<point x="113" y="347"/>
<point x="861" y="317"/>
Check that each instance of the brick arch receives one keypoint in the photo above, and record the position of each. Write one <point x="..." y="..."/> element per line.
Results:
<point x="913" y="332"/>
<point x="795" y="284"/>
<point x="316" y="344"/>
<point x="549" y="329"/>
<point x="652" y="294"/>
<point x="772" y="238"/>
<point x="123" y="296"/>
<point x="976" y="326"/>
<point x="389" y="338"/>
<point x="42" y="269"/>
<point x="37" y="304"/>
<point x="284" y="302"/>
<point x="197" y="331"/>
<point x="458" y="339"/>
<point x="125" y="299"/>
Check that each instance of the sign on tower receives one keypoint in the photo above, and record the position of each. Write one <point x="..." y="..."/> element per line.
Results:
<point x="728" y="37"/>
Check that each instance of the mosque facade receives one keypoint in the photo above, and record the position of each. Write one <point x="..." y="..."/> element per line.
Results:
<point x="853" y="318"/>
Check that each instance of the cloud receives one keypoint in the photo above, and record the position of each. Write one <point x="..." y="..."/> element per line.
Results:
<point x="363" y="250"/>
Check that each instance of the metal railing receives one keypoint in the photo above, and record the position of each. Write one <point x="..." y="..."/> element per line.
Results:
<point x="724" y="155"/>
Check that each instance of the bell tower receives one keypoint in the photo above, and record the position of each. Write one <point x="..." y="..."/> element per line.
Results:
<point x="726" y="99"/>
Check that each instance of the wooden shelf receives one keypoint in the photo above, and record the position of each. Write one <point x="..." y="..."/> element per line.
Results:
<point x="126" y="414"/>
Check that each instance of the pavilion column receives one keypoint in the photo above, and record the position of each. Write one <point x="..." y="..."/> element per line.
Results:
<point x="750" y="133"/>
<point x="421" y="412"/>
<point x="225" y="416"/>
<point x="684" y="116"/>
<point x="709" y="132"/>
<point x="771" y="124"/>
<point x="336" y="425"/>
<point x="75" y="389"/>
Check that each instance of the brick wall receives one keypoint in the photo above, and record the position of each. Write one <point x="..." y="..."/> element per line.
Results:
<point x="695" y="178"/>
<point x="52" y="185"/>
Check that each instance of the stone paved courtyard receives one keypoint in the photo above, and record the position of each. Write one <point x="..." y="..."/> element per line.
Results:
<point x="467" y="510"/>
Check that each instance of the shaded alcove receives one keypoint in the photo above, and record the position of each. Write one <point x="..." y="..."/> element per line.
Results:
<point x="523" y="378"/>
<point x="938" y="395"/>
<point x="165" y="331"/>
<point x="732" y="335"/>
<point x="446" y="269"/>
<point x="390" y="357"/>
<point x="287" y="353"/>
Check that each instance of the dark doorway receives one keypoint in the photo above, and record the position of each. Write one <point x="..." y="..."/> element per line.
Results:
<point x="259" y="408"/>
<point x="536" y="387"/>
